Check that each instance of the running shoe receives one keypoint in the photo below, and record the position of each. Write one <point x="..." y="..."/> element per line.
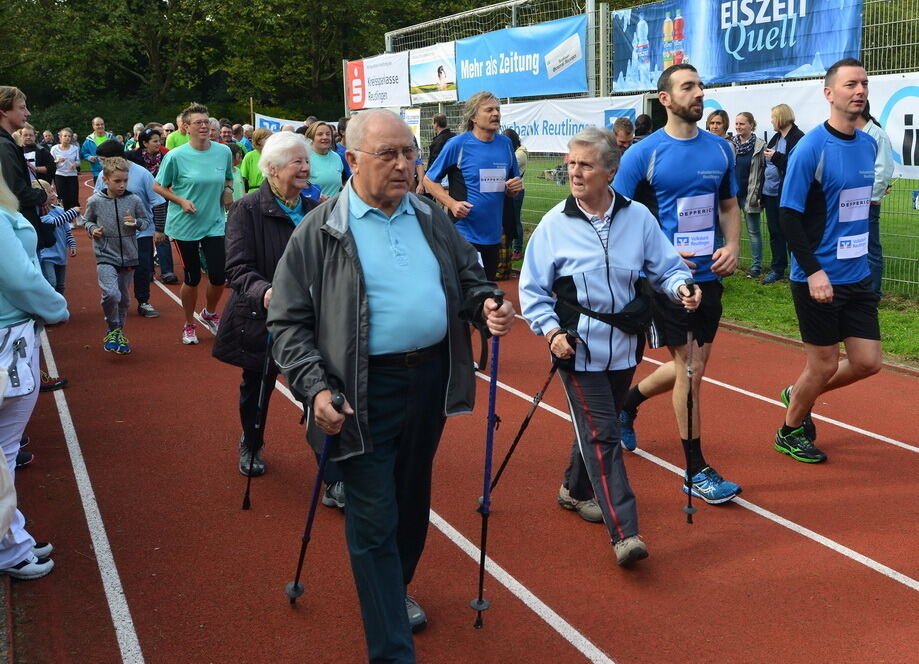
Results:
<point x="32" y="567"/>
<point x="771" y="278"/>
<point x="798" y="446"/>
<point x="50" y="383"/>
<point x="627" y="430"/>
<point x="123" y="347"/>
<point x="146" y="310"/>
<point x="708" y="485"/>
<point x="754" y="273"/>
<point x="42" y="549"/>
<point x="169" y="278"/>
<point x="110" y="341"/>
<point x="211" y="320"/>
<point x="417" y="619"/>
<point x="589" y="510"/>
<point x="188" y="335"/>
<point x="630" y="550"/>
<point x="810" y="429"/>
<point x="334" y="495"/>
<point x="246" y="459"/>
<point x="23" y="459"/>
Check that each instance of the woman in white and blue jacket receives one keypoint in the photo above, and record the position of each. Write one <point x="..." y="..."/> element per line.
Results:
<point x="24" y="295"/>
<point x="588" y="259"/>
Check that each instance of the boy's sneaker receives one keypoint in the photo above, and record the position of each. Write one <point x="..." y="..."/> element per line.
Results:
<point x="588" y="510"/>
<point x="211" y="320"/>
<point x="110" y="341"/>
<point x="810" y="429"/>
<point x="334" y="495"/>
<point x="123" y="347"/>
<point x="50" y="383"/>
<point x="627" y="430"/>
<point x="188" y="335"/>
<point x="798" y="446"/>
<point x="630" y="550"/>
<point x="708" y="485"/>
<point x="32" y="567"/>
<point x="146" y="310"/>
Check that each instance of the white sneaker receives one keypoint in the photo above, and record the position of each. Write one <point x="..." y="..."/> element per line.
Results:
<point x="30" y="568"/>
<point x="188" y="335"/>
<point x="42" y="549"/>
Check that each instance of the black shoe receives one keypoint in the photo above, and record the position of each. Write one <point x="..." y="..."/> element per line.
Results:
<point x="417" y="619"/>
<point x="25" y="440"/>
<point x="798" y="446"/>
<point x="810" y="429"/>
<point x="23" y="459"/>
<point x="258" y="466"/>
<point x="146" y="310"/>
<point x="169" y="278"/>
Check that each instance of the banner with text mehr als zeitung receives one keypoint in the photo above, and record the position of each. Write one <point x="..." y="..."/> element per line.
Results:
<point x="544" y="59"/>
<point x="378" y="82"/>
<point x="733" y="40"/>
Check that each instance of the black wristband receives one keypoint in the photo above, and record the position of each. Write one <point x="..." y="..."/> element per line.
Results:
<point x="552" y="336"/>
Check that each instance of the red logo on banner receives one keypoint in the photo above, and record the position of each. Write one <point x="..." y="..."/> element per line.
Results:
<point x="357" y="87"/>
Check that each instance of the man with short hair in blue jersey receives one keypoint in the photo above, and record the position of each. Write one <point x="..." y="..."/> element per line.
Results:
<point x="686" y="178"/>
<point x="482" y="170"/>
<point x="824" y="215"/>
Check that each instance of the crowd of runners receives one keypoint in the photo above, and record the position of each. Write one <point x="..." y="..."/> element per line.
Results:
<point x="328" y="234"/>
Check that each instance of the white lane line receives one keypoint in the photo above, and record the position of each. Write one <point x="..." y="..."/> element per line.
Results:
<point x="555" y="621"/>
<point x="125" y="632"/>
<point x="535" y="604"/>
<point x="829" y="420"/>
<point x="889" y="572"/>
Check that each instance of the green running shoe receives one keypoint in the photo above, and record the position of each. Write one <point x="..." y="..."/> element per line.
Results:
<point x="798" y="446"/>
<point x="808" y="422"/>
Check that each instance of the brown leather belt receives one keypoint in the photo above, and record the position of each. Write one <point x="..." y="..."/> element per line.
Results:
<point x="409" y="360"/>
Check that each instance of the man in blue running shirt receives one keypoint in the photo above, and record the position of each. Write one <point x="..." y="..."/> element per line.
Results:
<point x="482" y="170"/>
<point x="686" y="178"/>
<point x="824" y="214"/>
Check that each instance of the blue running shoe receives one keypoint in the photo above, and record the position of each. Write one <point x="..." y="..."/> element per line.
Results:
<point x="123" y="347"/>
<point x="627" y="430"/>
<point x="708" y="485"/>
<point x="110" y="341"/>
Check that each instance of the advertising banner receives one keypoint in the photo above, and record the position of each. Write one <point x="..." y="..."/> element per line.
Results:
<point x="733" y="40"/>
<point x="544" y="59"/>
<point x="378" y="82"/>
<point x="412" y="117"/>
<point x="547" y="126"/>
<point x="894" y="102"/>
<point x="432" y="73"/>
<point x="274" y="124"/>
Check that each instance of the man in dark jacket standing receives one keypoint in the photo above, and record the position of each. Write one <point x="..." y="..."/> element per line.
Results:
<point x="374" y="295"/>
<point x="442" y="134"/>
<point x="14" y="115"/>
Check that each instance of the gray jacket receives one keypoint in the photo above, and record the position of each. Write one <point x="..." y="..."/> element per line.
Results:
<point x="320" y="321"/>
<point x="753" y="203"/>
<point x="118" y="244"/>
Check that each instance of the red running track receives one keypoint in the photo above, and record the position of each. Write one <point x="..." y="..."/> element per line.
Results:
<point x="203" y="580"/>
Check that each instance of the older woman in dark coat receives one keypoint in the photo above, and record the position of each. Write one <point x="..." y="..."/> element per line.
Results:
<point x="258" y="228"/>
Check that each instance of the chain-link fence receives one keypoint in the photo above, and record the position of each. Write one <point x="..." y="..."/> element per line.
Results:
<point x="890" y="37"/>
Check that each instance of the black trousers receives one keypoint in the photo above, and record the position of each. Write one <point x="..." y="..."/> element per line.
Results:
<point x="144" y="269"/>
<point x="68" y="187"/>
<point x="596" y="468"/>
<point x="388" y="499"/>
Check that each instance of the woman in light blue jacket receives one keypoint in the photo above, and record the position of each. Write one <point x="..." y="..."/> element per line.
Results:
<point x="582" y="268"/>
<point x="24" y="295"/>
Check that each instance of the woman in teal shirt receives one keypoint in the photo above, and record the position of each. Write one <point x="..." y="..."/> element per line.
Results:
<point x="325" y="164"/>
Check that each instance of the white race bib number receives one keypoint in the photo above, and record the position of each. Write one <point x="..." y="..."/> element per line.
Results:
<point x="852" y="246"/>
<point x="491" y="180"/>
<point x="695" y="213"/>
<point x="700" y="244"/>
<point x="853" y="204"/>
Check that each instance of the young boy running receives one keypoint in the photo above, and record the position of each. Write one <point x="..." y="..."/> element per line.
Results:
<point x="113" y="217"/>
<point x="824" y="214"/>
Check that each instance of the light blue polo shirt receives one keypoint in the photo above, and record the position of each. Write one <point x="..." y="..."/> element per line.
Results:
<point x="408" y="307"/>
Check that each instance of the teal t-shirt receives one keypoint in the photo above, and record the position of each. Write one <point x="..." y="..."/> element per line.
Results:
<point x="199" y="176"/>
<point x="325" y="171"/>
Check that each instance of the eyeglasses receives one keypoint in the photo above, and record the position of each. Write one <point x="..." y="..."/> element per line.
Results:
<point x="389" y="154"/>
<point x="200" y="123"/>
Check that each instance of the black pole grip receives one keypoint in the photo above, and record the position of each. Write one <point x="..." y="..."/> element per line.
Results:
<point x="690" y="286"/>
<point x="498" y="297"/>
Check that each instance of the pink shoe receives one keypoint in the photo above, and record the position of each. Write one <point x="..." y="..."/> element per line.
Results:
<point x="188" y="335"/>
<point x="211" y="320"/>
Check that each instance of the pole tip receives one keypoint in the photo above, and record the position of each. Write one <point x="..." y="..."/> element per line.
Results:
<point x="293" y="590"/>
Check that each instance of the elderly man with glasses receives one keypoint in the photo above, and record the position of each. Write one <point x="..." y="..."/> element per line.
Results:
<point x="374" y="296"/>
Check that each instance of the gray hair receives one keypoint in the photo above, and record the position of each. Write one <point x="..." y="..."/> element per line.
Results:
<point x="279" y="148"/>
<point x="138" y="127"/>
<point x="169" y="126"/>
<point x="248" y="127"/>
<point x="215" y="123"/>
<point x="472" y="105"/>
<point x="357" y="126"/>
<point x="605" y="143"/>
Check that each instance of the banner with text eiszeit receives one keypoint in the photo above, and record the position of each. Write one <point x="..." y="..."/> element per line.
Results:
<point x="432" y="73"/>
<point x="733" y="40"/>
<point x="544" y="59"/>
<point x="274" y="124"/>
<point x="378" y="82"/>
<point x="548" y="125"/>
<point x="894" y="102"/>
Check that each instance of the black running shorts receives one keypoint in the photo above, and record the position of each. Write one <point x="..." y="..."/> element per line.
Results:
<point x="852" y="313"/>
<point x="670" y="321"/>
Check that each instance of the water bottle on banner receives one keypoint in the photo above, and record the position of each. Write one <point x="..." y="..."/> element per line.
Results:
<point x="643" y="50"/>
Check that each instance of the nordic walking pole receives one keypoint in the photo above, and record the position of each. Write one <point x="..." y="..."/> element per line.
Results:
<point x="572" y="340"/>
<point x="294" y="589"/>
<point x="689" y="509"/>
<point x="256" y="445"/>
<point x="480" y="604"/>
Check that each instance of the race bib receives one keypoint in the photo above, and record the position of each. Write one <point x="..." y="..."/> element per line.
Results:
<point x="695" y="213"/>
<point x="700" y="244"/>
<point x="491" y="180"/>
<point x="852" y="246"/>
<point x="853" y="204"/>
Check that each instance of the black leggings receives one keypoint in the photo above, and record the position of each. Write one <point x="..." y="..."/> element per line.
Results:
<point x="214" y="253"/>
<point x="67" y="190"/>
